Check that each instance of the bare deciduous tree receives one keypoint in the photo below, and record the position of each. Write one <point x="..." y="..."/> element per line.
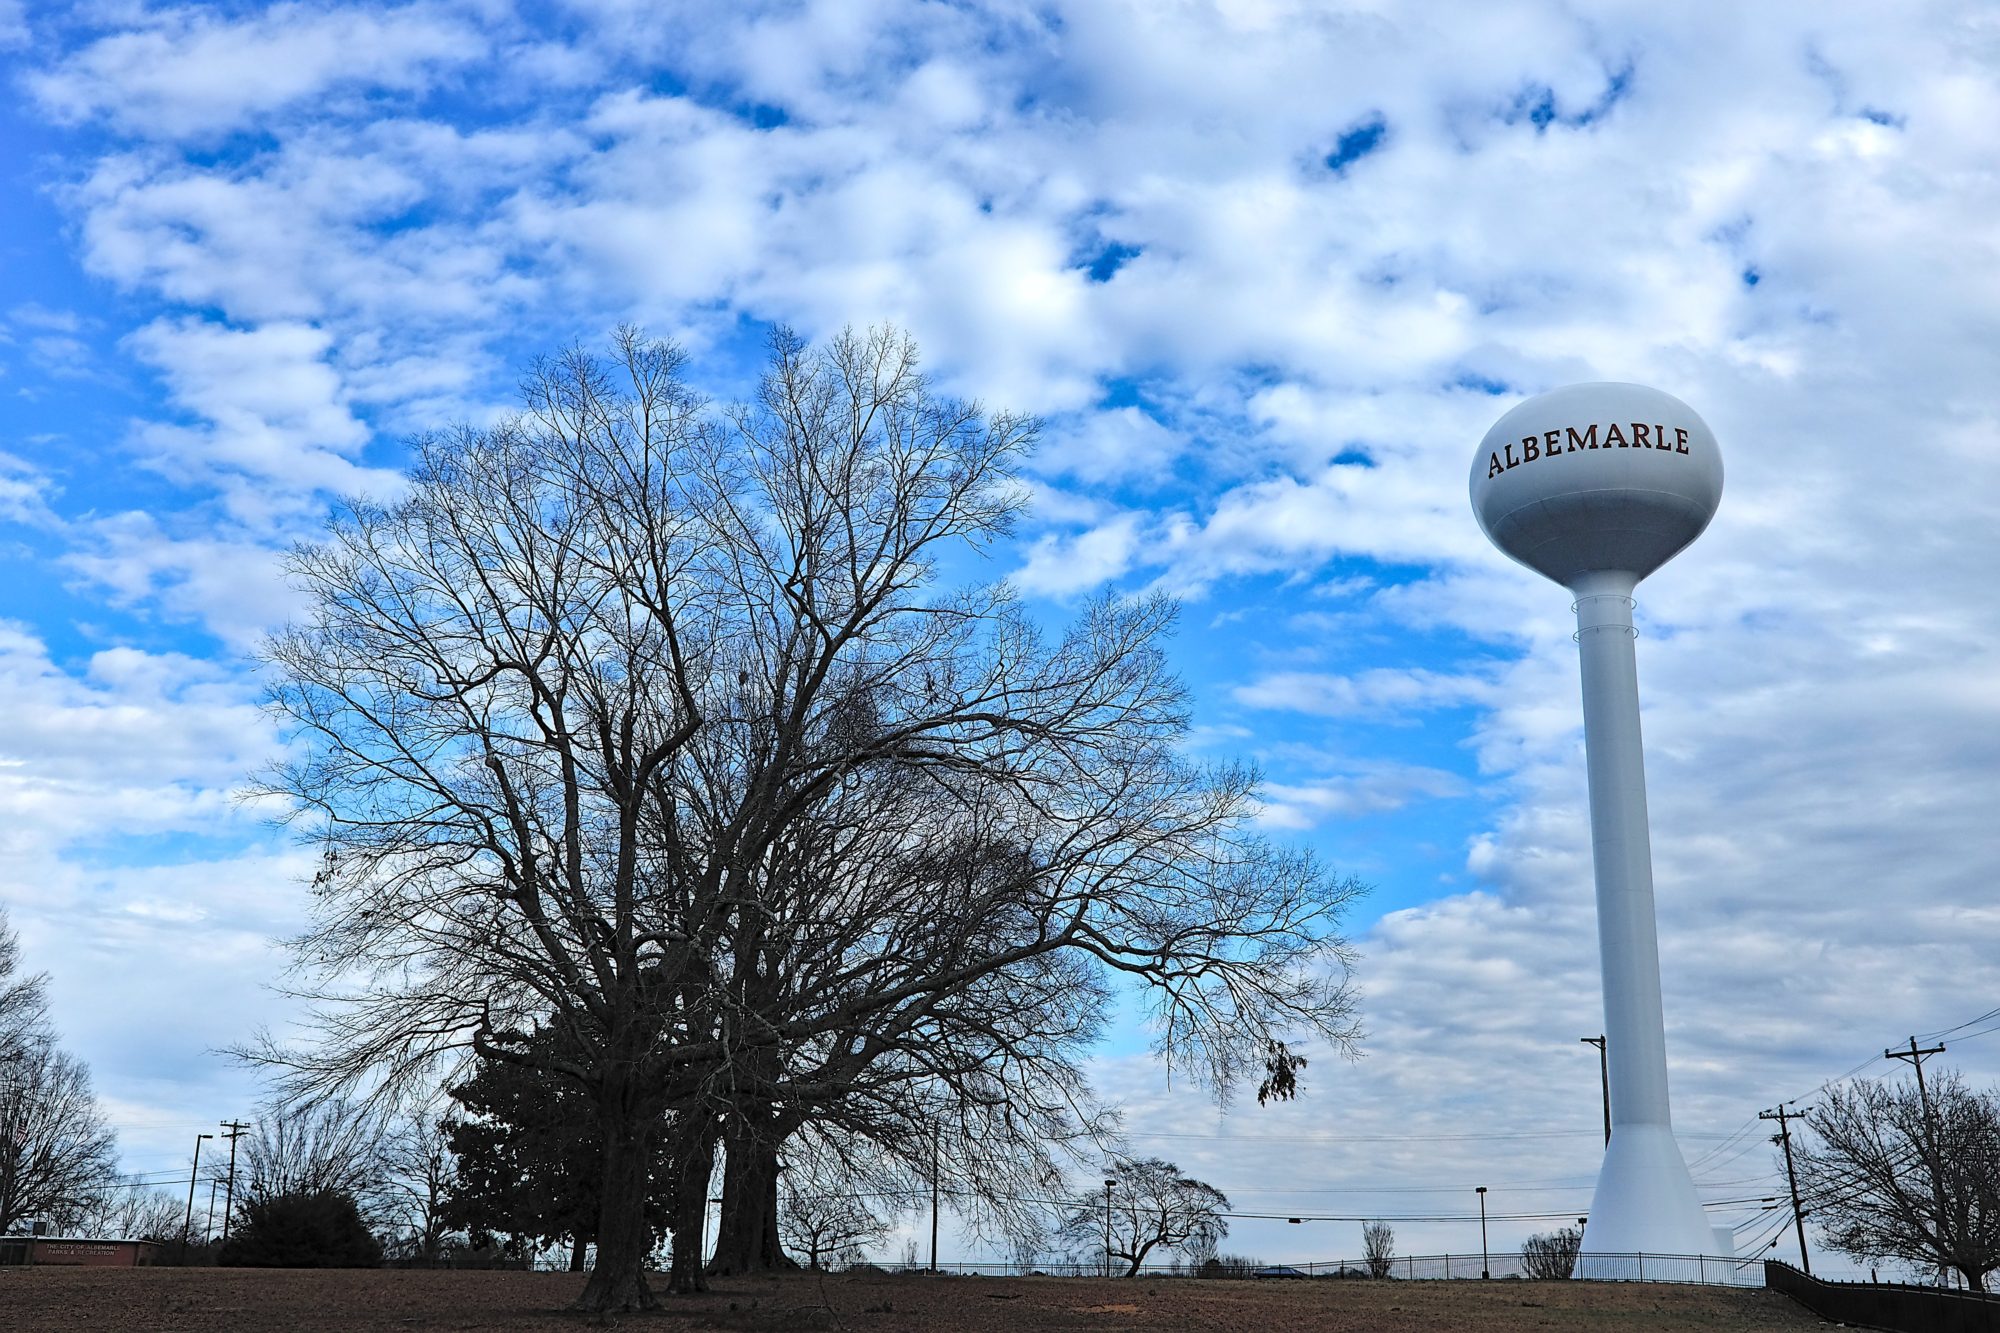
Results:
<point x="329" y="1147"/>
<point x="128" y="1210"/>
<point x="1890" y="1174"/>
<point x="826" y="1219"/>
<point x="57" y="1156"/>
<point x="1552" y="1254"/>
<point x="1378" y="1248"/>
<point x="56" y="1152"/>
<point x="597" y="716"/>
<point x="1152" y="1206"/>
<point x="415" y="1194"/>
<point x="24" y="997"/>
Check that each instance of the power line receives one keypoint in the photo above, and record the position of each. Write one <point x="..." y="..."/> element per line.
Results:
<point x="1946" y="1032"/>
<point x="1391" y="1138"/>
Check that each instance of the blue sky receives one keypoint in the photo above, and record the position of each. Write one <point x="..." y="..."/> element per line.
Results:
<point x="1268" y="270"/>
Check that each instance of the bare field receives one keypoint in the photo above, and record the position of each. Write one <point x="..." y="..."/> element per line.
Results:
<point x="296" y="1300"/>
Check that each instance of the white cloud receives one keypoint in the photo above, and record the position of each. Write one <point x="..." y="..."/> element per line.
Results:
<point x="271" y="404"/>
<point x="190" y="72"/>
<point x="1379" y="790"/>
<point x="228" y="581"/>
<point x="1381" y="691"/>
<point x="1119" y="444"/>
<point x="121" y="742"/>
<point x="1062" y="566"/>
<point x="24" y="492"/>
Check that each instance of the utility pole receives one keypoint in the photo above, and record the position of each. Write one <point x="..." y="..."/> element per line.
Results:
<point x="1916" y="1058"/>
<point x="934" y="1200"/>
<point x="188" y="1222"/>
<point x="1783" y="1138"/>
<point x="1603" y="1081"/>
<point x="235" y="1128"/>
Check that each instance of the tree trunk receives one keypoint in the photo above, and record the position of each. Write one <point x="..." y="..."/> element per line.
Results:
<point x="618" y="1281"/>
<point x="576" y="1249"/>
<point x="693" y="1166"/>
<point x="748" y="1240"/>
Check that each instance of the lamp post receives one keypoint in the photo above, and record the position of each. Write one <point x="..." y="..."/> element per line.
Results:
<point x="1603" y="1081"/>
<point x="1485" y="1265"/>
<point x="1109" y="1185"/>
<point x="187" y="1223"/>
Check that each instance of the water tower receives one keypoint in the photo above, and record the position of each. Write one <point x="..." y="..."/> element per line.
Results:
<point x="1596" y="486"/>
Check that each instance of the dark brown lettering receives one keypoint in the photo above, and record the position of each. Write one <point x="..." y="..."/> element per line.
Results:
<point x="1587" y="440"/>
<point x="1616" y="435"/>
<point x="1531" y="448"/>
<point x="1642" y="435"/>
<point x="1493" y="468"/>
<point x="1551" y="443"/>
<point x="1680" y="440"/>
<point x="1512" y="461"/>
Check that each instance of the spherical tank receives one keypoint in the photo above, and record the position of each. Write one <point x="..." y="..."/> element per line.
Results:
<point x="1596" y="477"/>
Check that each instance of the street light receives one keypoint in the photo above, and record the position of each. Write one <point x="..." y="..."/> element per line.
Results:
<point x="1603" y="1082"/>
<point x="1485" y="1266"/>
<point x="187" y="1223"/>
<point x="1109" y="1185"/>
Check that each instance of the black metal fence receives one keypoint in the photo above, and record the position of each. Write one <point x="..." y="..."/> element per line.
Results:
<point x="1505" y="1266"/>
<point x="1891" y="1305"/>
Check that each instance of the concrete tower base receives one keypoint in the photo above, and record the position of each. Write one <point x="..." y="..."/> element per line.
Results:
<point x="1645" y="1205"/>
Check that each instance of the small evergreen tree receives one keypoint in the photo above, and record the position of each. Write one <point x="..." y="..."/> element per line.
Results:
<point x="529" y="1156"/>
<point x="309" y="1229"/>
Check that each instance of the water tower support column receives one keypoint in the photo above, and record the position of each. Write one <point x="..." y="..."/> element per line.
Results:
<point x="1645" y="1199"/>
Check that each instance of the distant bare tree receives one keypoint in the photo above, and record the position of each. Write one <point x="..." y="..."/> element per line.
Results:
<point x="129" y="1211"/>
<point x="593" y="720"/>
<point x="332" y="1147"/>
<point x="1151" y="1207"/>
<point x="1378" y="1246"/>
<point x="826" y="1224"/>
<point x="57" y="1156"/>
<point x="24" y="998"/>
<point x="415" y="1193"/>
<point x="56" y="1153"/>
<point x="1552" y="1254"/>
<point x="1889" y="1174"/>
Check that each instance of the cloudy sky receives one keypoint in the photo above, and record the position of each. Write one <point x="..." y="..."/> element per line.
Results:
<point x="1268" y="270"/>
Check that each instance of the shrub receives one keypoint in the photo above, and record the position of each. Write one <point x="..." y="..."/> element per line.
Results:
<point x="310" y="1229"/>
<point x="1229" y="1265"/>
<point x="1552" y="1255"/>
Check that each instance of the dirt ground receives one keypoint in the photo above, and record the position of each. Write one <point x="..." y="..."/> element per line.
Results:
<point x="298" y="1300"/>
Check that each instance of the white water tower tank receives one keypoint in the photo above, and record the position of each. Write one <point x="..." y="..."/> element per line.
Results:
<point x="1596" y="477"/>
